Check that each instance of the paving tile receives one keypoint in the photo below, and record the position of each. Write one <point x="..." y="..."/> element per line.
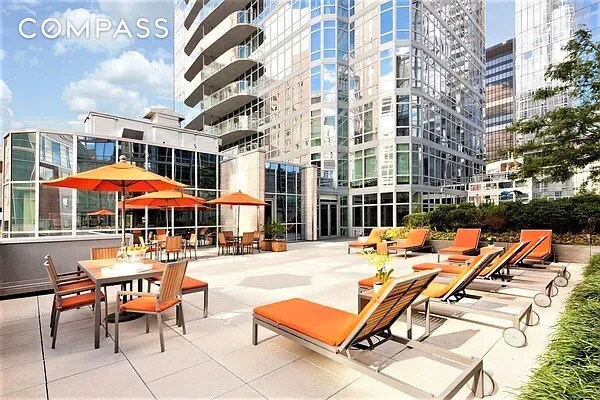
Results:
<point x="19" y="325"/>
<point x="14" y="356"/>
<point x="335" y="368"/>
<point x="225" y="341"/>
<point x="34" y="393"/>
<point x="117" y="380"/>
<point x="252" y="362"/>
<point x="18" y="339"/>
<point x="244" y="392"/>
<point x="20" y="377"/>
<point x="204" y="381"/>
<point x="297" y="380"/>
<point x="18" y="309"/>
<point x="151" y="364"/>
<point x="352" y="392"/>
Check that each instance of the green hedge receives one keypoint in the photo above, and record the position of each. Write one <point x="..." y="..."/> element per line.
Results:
<point x="570" y="366"/>
<point x="568" y="215"/>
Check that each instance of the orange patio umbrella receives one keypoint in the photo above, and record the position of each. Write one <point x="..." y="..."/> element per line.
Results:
<point x="166" y="199"/>
<point x="120" y="177"/>
<point x="101" y="213"/>
<point x="238" y="199"/>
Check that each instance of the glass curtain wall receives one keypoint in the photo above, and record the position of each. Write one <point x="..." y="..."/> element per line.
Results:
<point x="283" y="193"/>
<point x="36" y="210"/>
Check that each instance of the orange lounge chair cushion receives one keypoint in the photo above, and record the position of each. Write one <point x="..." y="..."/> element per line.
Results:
<point x="147" y="304"/>
<point x="368" y="282"/>
<point x="79" y="300"/>
<point x="457" y="250"/>
<point x="446" y="268"/>
<point x="326" y="324"/>
<point x="544" y="249"/>
<point x="467" y="238"/>
<point x="416" y="238"/>
<point x="84" y="284"/>
<point x="361" y="244"/>
<point x="459" y="258"/>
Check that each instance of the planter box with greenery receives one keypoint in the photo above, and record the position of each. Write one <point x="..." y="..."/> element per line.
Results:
<point x="569" y="368"/>
<point x="274" y="237"/>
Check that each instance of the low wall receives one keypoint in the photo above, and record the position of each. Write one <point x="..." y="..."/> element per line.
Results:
<point x="22" y="259"/>
<point x="562" y="252"/>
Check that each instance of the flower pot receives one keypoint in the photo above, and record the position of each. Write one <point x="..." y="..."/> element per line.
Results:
<point x="278" y="245"/>
<point x="265" y="245"/>
<point x="376" y="287"/>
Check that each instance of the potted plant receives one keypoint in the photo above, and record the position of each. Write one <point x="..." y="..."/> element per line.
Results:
<point x="275" y="237"/>
<point x="390" y="234"/>
<point x="379" y="261"/>
<point x="490" y="241"/>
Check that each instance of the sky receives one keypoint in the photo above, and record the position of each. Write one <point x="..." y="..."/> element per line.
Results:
<point x="52" y="83"/>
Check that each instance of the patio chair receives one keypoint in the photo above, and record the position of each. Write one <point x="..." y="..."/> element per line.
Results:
<point x="173" y="246"/>
<point x="189" y="286"/>
<point x="202" y="235"/>
<point x="224" y="243"/>
<point x="415" y="241"/>
<point x="103" y="253"/>
<point x="68" y="281"/>
<point x="371" y="242"/>
<point x="66" y="299"/>
<point x="466" y="241"/>
<point x="148" y="303"/>
<point x="160" y="231"/>
<point x="256" y="239"/>
<point x="338" y="334"/>
<point x="446" y="296"/>
<point x="151" y="249"/>
<point x="247" y="242"/>
<point x="192" y="244"/>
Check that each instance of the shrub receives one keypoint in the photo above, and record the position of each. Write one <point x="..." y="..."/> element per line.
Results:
<point x="416" y="220"/>
<point x="274" y="230"/>
<point x="570" y="366"/>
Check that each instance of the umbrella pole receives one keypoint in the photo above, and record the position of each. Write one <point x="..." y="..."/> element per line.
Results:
<point x="123" y="215"/>
<point x="238" y="221"/>
<point x="167" y="219"/>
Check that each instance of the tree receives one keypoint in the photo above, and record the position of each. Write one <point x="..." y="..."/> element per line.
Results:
<point x="566" y="139"/>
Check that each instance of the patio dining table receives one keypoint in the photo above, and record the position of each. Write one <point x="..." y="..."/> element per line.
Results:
<point x="101" y="273"/>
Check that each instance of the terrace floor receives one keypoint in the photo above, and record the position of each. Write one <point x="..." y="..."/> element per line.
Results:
<point x="216" y="359"/>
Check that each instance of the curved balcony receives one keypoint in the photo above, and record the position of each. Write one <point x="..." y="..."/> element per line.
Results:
<point x="228" y="99"/>
<point x="191" y="11"/>
<point x="232" y="31"/>
<point x="219" y="73"/>
<point x="233" y="128"/>
<point x="209" y="17"/>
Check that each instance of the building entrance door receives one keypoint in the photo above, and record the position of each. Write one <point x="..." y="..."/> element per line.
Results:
<point x="328" y="220"/>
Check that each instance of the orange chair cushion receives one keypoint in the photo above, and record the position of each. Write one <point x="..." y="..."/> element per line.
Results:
<point x="147" y="304"/>
<point x="544" y="249"/>
<point x="436" y="290"/>
<point x="79" y="300"/>
<point x="361" y="244"/>
<point x="191" y="283"/>
<point x="368" y="282"/>
<point x="84" y="284"/>
<point x="416" y="238"/>
<point x="457" y="250"/>
<point x="446" y="268"/>
<point x="459" y="258"/>
<point x="467" y="238"/>
<point x="326" y="324"/>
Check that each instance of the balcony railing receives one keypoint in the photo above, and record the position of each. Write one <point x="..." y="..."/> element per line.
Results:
<point x="205" y="12"/>
<point x="233" y="89"/>
<point x="238" y="123"/>
<point x="236" y="18"/>
<point x="240" y="52"/>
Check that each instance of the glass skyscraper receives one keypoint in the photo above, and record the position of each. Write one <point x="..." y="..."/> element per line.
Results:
<point x="500" y="100"/>
<point x="385" y="98"/>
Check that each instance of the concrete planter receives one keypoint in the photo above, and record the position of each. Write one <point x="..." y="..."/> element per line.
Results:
<point x="273" y="245"/>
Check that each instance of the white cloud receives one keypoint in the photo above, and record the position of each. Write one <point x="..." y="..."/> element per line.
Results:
<point x="120" y="85"/>
<point x="20" y="5"/>
<point x="2" y="54"/>
<point x="6" y="112"/>
<point x="163" y="54"/>
<point x="23" y="59"/>
<point x="105" y="43"/>
<point x="131" y="10"/>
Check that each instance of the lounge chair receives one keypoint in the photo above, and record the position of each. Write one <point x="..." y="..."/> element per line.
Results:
<point x="415" y="241"/>
<point x="533" y="256"/>
<point x="444" y="297"/>
<point x="466" y="241"/>
<point x="370" y="243"/>
<point x="492" y="279"/>
<point x="339" y="335"/>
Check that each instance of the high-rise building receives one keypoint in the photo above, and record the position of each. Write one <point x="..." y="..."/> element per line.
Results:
<point x="542" y="29"/>
<point x="500" y="100"/>
<point x="385" y="98"/>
